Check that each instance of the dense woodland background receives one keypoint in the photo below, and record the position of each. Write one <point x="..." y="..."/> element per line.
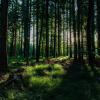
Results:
<point x="34" y="31"/>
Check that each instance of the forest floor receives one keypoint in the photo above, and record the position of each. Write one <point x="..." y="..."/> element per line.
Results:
<point x="56" y="79"/>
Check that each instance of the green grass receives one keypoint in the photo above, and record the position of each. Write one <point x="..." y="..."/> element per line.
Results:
<point x="39" y="81"/>
<point x="45" y="70"/>
<point x="52" y="82"/>
<point x="61" y="58"/>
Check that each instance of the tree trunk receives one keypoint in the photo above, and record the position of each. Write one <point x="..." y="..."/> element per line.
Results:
<point x="54" y="55"/>
<point x="98" y="25"/>
<point x="78" y="30"/>
<point x="47" y="30"/>
<point x="3" y="36"/>
<point x="37" y="33"/>
<point x="74" y="31"/>
<point x="59" y="29"/>
<point x="26" y="31"/>
<point x="90" y="34"/>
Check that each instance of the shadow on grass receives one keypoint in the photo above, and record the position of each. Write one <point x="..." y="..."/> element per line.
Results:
<point x="77" y="84"/>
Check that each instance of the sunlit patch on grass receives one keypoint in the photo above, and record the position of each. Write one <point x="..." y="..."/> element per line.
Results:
<point x="43" y="84"/>
<point x="44" y="75"/>
<point x="61" y="58"/>
<point x="45" y="70"/>
<point x="41" y="79"/>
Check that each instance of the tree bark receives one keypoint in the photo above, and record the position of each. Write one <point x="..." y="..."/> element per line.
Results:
<point x="90" y="34"/>
<point x="47" y="30"/>
<point x="3" y="36"/>
<point x="98" y="25"/>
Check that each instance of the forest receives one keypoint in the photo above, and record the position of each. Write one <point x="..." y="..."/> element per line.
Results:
<point x="49" y="49"/>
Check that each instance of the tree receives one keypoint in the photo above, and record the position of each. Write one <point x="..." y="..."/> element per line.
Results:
<point x="59" y="28"/>
<point x="74" y="30"/>
<point x="47" y="29"/>
<point x="14" y="26"/>
<point x="37" y="30"/>
<point x="3" y="36"/>
<point x="54" y="55"/>
<point x="90" y="34"/>
<point x="98" y="24"/>
<point x="78" y="28"/>
<point x="70" y="27"/>
<point x="26" y="30"/>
